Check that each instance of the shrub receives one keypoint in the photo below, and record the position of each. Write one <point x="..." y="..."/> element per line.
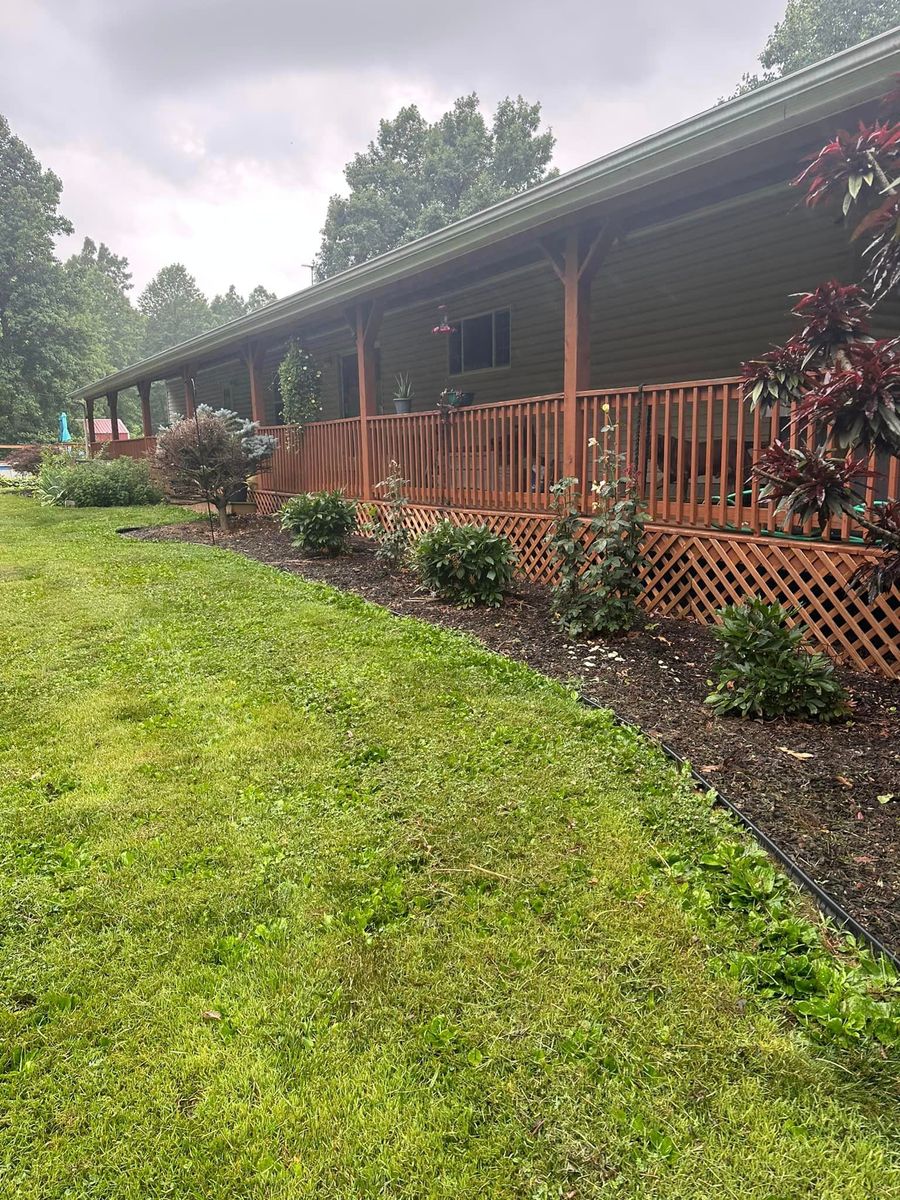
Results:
<point x="96" y="482"/>
<point x="215" y="453"/>
<point x="388" y="525"/>
<point x="762" y="669"/>
<point x="320" y="521"/>
<point x="26" y="460"/>
<point x="300" y="385"/>
<point x="599" y="588"/>
<point x="468" y="564"/>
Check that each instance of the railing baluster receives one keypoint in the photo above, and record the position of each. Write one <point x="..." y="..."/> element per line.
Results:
<point x="739" y="462"/>
<point x="723" y="465"/>
<point x="679" y="459"/>
<point x="654" y="434"/>
<point x="708" y="457"/>
<point x="694" y="485"/>
<point x="667" y="438"/>
<point x="755" y="513"/>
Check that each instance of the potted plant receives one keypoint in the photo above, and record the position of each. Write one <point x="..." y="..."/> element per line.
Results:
<point x="453" y="398"/>
<point x="403" y="394"/>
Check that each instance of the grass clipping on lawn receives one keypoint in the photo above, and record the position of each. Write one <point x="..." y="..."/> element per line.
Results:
<point x="302" y="900"/>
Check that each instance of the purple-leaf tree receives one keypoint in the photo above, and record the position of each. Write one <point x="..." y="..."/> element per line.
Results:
<point x="214" y="454"/>
<point x="844" y="384"/>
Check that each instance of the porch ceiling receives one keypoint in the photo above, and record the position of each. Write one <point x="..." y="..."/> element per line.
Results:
<point x="747" y="138"/>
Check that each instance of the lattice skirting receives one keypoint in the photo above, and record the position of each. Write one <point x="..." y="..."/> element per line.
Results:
<point x="694" y="572"/>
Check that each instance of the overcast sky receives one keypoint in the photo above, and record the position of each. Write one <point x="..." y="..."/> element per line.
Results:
<point x="212" y="132"/>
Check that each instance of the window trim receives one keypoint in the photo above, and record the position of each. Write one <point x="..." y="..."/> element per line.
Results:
<point x="459" y="321"/>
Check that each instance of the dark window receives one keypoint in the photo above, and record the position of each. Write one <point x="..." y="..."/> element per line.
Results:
<point x="349" y="381"/>
<point x="479" y="343"/>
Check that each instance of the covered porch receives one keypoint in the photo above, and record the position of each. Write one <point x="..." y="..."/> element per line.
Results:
<point x="615" y="303"/>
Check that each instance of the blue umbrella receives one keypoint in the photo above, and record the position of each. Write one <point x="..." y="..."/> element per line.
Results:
<point x="64" y="435"/>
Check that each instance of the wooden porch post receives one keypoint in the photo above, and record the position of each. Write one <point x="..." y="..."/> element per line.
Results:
<point x="576" y="268"/>
<point x="146" y="415"/>
<point x="91" y="432"/>
<point x="113" y="401"/>
<point x="368" y="322"/>
<point x="190" y="392"/>
<point x="253" y="356"/>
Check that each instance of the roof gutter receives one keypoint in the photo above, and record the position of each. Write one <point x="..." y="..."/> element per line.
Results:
<point x="837" y="83"/>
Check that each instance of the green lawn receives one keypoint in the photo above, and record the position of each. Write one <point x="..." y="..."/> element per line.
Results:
<point x="299" y="900"/>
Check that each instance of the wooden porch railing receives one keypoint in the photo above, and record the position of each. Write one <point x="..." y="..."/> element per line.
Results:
<point x="125" y="448"/>
<point x="323" y="456"/>
<point x="691" y="446"/>
<point x="503" y="456"/>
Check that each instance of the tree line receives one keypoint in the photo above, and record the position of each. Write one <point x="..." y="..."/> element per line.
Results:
<point x="65" y="321"/>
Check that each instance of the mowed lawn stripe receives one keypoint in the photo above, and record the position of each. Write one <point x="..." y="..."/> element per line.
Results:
<point x="299" y="899"/>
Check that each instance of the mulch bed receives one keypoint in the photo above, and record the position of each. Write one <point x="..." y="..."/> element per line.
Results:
<point x="819" y="791"/>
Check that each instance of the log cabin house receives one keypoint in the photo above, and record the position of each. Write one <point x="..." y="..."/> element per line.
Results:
<point x="639" y="282"/>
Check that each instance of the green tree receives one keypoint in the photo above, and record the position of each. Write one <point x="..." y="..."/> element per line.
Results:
<point x="811" y="30"/>
<point x="416" y="177"/>
<point x="41" y="339"/>
<point x="112" y="326"/>
<point x="233" y="305"/>
<point x="174" y="309"/>
<point x="228" y="307"/>
<point x="259" y="297"/>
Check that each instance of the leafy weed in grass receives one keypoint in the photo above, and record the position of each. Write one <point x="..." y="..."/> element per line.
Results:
<point x="735" y="888"/>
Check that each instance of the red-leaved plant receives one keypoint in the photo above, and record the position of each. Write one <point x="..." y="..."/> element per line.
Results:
<point x="844" y="384"/>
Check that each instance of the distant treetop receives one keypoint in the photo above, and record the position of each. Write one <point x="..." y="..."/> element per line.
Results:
<point x="811" y="30"/>
<point x="417" y="177"/>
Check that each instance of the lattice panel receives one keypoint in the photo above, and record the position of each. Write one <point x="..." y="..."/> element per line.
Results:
<point x="526" y="531"/>
<point x="694" y="572"/>
<point x="269" y="502"/>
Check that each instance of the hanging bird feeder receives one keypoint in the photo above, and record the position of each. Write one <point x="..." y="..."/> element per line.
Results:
<point x="443" y="325"/>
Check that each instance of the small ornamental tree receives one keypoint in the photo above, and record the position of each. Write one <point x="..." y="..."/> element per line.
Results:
<point x="844" y="382"/>
<point x="215" y="453"/>
<point x="388" y="526"/>
<point x="300" y="385"/>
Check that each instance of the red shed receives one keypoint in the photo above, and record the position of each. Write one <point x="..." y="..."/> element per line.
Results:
<point x="103" y="430"/>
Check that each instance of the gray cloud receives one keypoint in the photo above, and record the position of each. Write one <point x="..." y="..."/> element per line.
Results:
<point x="166" y="116"/>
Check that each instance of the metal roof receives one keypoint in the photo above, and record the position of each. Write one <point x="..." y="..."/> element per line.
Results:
<point x="831" y="86"/>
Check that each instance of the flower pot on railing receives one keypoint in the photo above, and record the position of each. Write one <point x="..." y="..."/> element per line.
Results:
<point x="402" y="405"/>
<point x="454" y="398"/>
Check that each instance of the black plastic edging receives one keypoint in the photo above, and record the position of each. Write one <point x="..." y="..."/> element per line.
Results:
<point x="825" y="902"/>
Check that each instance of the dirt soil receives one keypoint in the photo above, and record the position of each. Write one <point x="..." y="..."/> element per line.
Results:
<point x="829" y="795"/>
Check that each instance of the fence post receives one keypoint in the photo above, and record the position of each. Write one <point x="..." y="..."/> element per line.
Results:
<point x="576" y="267"/>
<point x="253" y="356"/>
<point x="576" y="363"/>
